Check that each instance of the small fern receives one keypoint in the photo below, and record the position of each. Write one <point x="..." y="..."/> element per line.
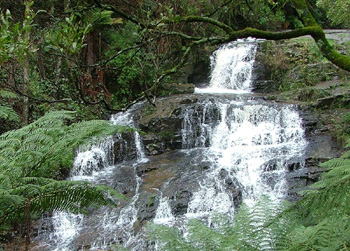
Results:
<point x="253" y="228"/>
<point x="8" y="113"/>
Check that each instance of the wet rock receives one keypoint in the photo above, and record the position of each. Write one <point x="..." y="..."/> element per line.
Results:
<point x="321" y="147"/>
<point x="180" y="201"/>
<point x="124" y="180"/>
<point x="162" y="124"/>
<point x="176" y="88"/>
<point x="124" y="148"/>
<point x="299" y="179"/>
<point x="173" y="175"/>
<point x="265" y="86"/>
<point x="180" y="190"/>
<point x="200" y="73"/>
<point x="147" y="207"/>
<point x="233" y="186"/>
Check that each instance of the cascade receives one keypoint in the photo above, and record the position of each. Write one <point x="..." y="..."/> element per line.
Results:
<point x="246" y="144"/>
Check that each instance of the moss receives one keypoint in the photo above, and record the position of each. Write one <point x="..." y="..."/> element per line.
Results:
<point x="167" y="136"/>
<point x="148" y="110"/>
<point x="150" y="202"/>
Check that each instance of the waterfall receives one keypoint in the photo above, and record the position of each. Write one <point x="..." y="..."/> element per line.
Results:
<point x="235" y="149"/>
<point x="232" y="67"/>
<point x="249" y="143"/>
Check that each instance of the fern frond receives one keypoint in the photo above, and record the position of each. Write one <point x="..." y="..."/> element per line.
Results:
<point x="36" y="180"/>
<point x="336" y="163"/>
<point x="5" y="182"/>
<point x="330" y="234"/>
<point x="33" y="154"/>
<point x="8" y="113"/>
<point x="8" y="201"/>
<point x="169" y="239"/>
<point x="55" y="196"/>
<point x="49" y="142"/>
<point x="7" y="94"/>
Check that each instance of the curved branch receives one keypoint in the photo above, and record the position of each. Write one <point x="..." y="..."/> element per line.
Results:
<point x="180" y="34"/>
<point x="191" y="19"/>
<point x="252" y="32"/>
<point x="316" y="32"/>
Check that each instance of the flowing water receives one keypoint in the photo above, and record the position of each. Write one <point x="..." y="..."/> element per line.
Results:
<point x="246" y="143"/>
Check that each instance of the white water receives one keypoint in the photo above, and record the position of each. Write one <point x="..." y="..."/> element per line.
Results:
<point x="232" y="68"/>
<point x="248" y="140"/>
<point x="248" y="144"/>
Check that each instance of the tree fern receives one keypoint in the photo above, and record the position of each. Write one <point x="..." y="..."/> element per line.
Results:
<point x="323" y="212"/>
<point x="331" y="195"/>
<point x="48" y="144"/>
<point x="329" y="234"/>
<point x="33" y="156"/>
<point x="55" y="196"/>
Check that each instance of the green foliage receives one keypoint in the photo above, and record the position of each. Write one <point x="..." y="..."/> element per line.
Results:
<point x="69" y="38"/>
<point x="38" y="195"/>
<point x="14" y="39"/>
<point x="33" y="156"/>
<point x="337" y="11"/>
<point x="6" y="111"/>
<point x="253" y="229"/>
<point x="47" y="145"/>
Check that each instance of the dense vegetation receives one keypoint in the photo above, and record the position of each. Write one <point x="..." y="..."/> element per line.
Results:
<point x="95" y="57"/>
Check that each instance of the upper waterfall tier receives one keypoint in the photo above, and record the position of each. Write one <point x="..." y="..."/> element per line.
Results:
<point x="232" y="67"/>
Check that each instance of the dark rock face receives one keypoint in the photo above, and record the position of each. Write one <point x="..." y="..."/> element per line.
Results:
<point x="124" y="180"/>
<point x="321" y="147"/>
<point x="233" y="186"/>
<point x="200" y="73"/>
<point x="264" y="86"/>
<point x="124" y="148"/>
<point x="173" y="175"/>
<point x="175" y="88"/>
<point x="162" y="124"/>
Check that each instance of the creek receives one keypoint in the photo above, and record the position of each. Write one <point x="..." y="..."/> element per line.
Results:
<point x="228" y="147"/>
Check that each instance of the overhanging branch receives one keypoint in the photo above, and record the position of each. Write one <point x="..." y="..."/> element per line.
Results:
<point x="197" y="19"/>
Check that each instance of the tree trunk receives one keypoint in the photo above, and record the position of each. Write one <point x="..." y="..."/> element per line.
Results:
<point x="11" y="75"/>
<point x="90" y="54"/>
<point x="26" y="81"/>
<point x="41" y="64"/>
<point x="28" y="225"/>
